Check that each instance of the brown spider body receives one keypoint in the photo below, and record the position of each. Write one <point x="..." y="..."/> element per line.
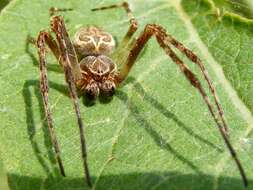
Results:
<point x="99" y="72"/>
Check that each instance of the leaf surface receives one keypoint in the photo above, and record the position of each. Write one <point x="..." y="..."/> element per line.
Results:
<point x="157" y="127"/>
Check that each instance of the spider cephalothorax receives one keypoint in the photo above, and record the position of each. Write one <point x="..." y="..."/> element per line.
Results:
<point x="89" y="65"/>
<point x="98" y="75"/>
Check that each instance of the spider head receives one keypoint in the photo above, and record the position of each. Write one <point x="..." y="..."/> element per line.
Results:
<point x="99" y="73"/>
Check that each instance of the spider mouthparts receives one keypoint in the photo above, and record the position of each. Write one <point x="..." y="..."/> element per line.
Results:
<point x="92" y="91"/>
<point x="90" y="96"/>
<point x="108" y="88"/>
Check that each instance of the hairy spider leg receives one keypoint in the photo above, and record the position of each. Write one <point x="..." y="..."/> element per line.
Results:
<point x="199" y="63"/>
<point x="133" y="22"/>
<point x="164" y="41"/>
<point x="72" y="74"/>
<point x="55" y="10"/>
<point x="44" y="38"/>
<point x="134" y="26"/>
<point x="135" y="46"/>
<point x="67" y="57"/>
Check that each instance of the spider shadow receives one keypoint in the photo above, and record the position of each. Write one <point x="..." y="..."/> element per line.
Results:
<point x="3" y="3"/>
<point x="91" y="102"/>
<point x="133" y="180"/>
<point x="158" y="139"/>
<point x="169" y="115"/>
<point x="30" y="88"/>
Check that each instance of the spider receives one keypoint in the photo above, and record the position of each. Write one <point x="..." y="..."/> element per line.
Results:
<point x="88" y="64"/>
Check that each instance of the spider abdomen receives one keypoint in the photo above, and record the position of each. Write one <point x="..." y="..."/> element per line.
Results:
<point x="93" y="41"/>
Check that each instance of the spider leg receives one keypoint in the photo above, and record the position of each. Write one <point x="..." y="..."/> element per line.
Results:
<point x="44" y="89"/>
<point x="54" y="10"/>
<point x="163" y="40"/>
<point x="65" y="45"/>
<point x="71" y="70"/>
<point x="133" y="22"/>
<point x="193" y="57"/>
<point x="119" y="52"/>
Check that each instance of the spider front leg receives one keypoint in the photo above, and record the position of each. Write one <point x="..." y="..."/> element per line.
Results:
<point x="44" y="38"/>
<point x="54" y="10"/>
<point x="164" y="40"/>
<point x="65" y="54"/>
<point x="133" y="22"/>
<point x="72" y="75"/>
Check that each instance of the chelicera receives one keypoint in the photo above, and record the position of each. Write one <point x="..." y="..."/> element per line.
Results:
<point x="90" y="65"/>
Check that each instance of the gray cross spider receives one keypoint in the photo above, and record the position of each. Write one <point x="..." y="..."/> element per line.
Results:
<point x="88" y="65"/>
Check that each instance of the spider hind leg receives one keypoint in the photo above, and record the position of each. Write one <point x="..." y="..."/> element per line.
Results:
<point x="43" y="39"/>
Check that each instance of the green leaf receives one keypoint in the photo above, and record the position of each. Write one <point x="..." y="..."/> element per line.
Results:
<point x="3" y="178"/>
<point x="241" y="7"/>
<point x="157" y="127"/>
